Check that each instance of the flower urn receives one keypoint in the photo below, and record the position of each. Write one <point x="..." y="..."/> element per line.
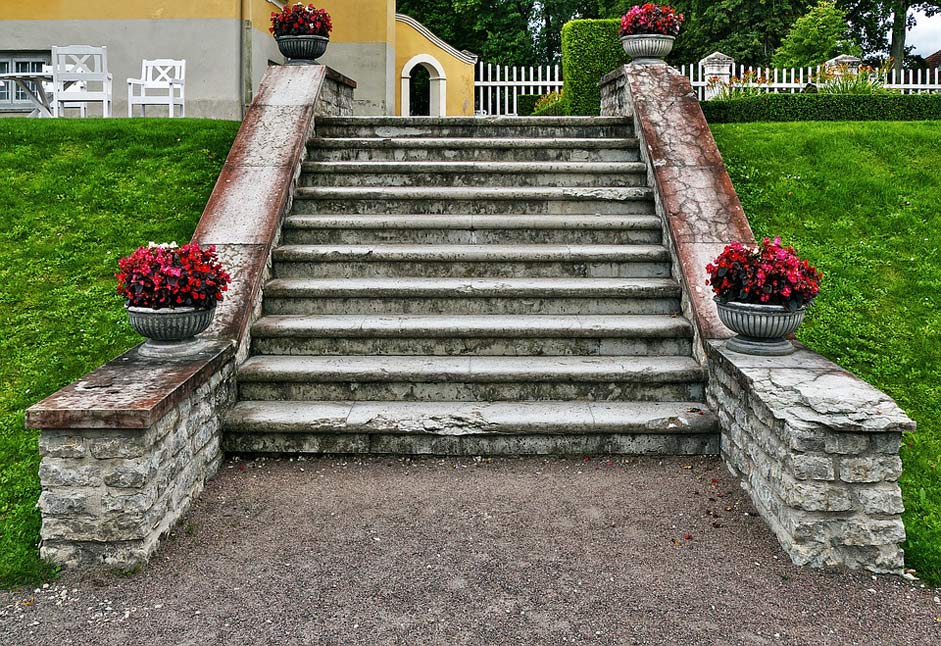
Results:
<point x="761" y="329"/>
<point x="170" y="332"/>
<point x="647" y="49"/>
<point x="302" y="48"/>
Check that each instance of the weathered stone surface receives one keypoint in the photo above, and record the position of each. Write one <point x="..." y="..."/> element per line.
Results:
<point x="812" y="467"/>
<point x="818" y="453"/>
<point x="871" y="469"/>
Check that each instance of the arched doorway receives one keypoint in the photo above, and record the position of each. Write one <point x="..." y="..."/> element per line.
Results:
<point x="437" y="81"/>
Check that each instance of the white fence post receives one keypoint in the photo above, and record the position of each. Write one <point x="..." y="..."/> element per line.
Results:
<point x="497" y="90"/>
<point x="716" y="72"/>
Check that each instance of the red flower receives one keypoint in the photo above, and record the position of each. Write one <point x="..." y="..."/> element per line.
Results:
<point x="768" y="274"/>
<point x="651" y="19"/>
<point x="298" y="20"/>
<point x="159" y="276"/>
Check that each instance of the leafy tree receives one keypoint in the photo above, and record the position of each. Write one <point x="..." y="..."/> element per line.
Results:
<point x="881" y="26"/>
<point x="816" y="37"/>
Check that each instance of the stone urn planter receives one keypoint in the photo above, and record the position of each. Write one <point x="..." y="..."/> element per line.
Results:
<point x="170" y="332"/>
<point x="760" y="328"/>
<point x="647" y="49"/>
<point x="302" y="49"/>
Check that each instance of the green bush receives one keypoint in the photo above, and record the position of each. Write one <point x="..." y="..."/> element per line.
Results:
<point x="825" y="107"/>
<point x="526" y="104"/>
<point x="590" y="49"/>
<point x="816" y="37"/>
<point x="551" y="105"/>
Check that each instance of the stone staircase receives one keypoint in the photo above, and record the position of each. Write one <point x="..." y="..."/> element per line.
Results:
<point x="472" y="286"/>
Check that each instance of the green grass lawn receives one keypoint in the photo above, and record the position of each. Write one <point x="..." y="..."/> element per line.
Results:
<point x="74" y="197"/>
<point x="863" y="202"/>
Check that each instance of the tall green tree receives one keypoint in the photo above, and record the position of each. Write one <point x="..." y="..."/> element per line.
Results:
<point x="816" y="37"/>
<point x="881" y="26"/>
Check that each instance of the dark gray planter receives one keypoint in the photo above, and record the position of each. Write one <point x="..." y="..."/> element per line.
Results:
<point x="170" y="332"/>
<point x="647" y="49"/>
<point x="302" y="48"/>
<point x="760" y="328"/>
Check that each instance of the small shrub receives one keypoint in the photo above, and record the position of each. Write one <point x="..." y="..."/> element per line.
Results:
<point x="526" y="104"/>
<point x="590" y="49"/>
<point x="750" y="84"/>
<point x="825" y="107"/>
<point x="867" y="80"/>
<point x="551" y="105"/>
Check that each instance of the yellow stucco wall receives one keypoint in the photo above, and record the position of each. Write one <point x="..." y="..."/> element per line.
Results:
<point x="460" y="75"/>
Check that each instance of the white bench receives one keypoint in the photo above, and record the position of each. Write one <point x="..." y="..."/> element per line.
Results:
<point x="162" y="82"/>
<point x="80" y="76"/>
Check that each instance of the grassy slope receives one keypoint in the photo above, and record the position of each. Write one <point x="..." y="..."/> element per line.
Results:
<point x="861" y="200"/>
<point x="74" y="197"/>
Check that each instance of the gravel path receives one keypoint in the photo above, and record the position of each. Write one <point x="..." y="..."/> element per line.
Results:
<point x="462" y="551"/>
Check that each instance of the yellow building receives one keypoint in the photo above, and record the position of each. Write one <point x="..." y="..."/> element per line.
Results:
<point x="227" y="47"/>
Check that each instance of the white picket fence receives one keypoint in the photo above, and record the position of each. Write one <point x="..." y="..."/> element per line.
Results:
<point x="497" y="87"/>
<point x="794" y="80"/>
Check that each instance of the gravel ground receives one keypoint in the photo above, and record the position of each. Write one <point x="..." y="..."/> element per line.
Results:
<point x="463" y="551"/>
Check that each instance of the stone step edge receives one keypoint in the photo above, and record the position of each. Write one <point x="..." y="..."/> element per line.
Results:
<point x="471" y="418"/>
<point x="576" y="121"/>
<point x="550" y="143"/>
<point x="472" y="288"/>
<point x="406" y="326"/>
<point x="453" y="193"/>
<point x="490" y="253"/>
<point x="489" y="222"/>
<point x="469" y="369"/>
<point x="475" y="167"/>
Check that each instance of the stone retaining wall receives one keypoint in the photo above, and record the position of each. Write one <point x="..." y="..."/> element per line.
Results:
<point x="109" y="494"/>
<point x="126" y="448"/>
<point x="816" y="448"/>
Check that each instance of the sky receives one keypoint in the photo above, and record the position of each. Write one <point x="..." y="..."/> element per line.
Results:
<point x="926" y="36"/>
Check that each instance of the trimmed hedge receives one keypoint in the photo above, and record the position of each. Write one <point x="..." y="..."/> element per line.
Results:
<point x="590" y="49"/>
<point x="526" y="104"/>
<point x="825" y="107"/>
<point x="557" y="109"/>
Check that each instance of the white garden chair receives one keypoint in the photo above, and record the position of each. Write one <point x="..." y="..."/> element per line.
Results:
<point x="49" y="89"/>
<point x="80" y="75"/>
<point x="162" y="82"/>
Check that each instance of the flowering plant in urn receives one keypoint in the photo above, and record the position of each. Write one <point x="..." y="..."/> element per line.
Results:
<point x="762" y="293"/>
<point x="302" y="31"/>
<point x="171" y="294"/>
<point x="651" y="19"/>
<point x="298" y="20"/>
<point x="648" y="32"/>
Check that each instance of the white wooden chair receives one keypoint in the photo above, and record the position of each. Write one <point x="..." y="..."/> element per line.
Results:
<point x="80" y="75"/>
<point x="49" y="88"/>
<point x="162" y="82"/>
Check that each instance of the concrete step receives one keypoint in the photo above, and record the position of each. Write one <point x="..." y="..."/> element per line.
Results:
<point x="471" y="229"/>
<point x="472" y="296"/>
<point x="580" y="174"/>
<point x="391" y="260"/>
<point x="475" y="200"/>
<point x="505" y="127"/>
<point x="473" y="378"/>
<point x="484" y="335"/>
<point x="473" y="149"/>
<point x="462" y="428"/>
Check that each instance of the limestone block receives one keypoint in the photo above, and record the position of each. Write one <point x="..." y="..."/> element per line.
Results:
<point x="812" y="467"/>
<point x="846" y="443"/>
<point x="871" y="469"/>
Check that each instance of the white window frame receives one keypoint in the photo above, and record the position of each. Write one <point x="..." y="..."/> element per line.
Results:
<point x="10" y="103"/>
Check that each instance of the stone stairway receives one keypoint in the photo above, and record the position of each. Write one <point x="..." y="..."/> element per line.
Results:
<point x="472" y="286"/>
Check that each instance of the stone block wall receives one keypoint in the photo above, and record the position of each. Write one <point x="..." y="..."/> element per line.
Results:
<point x="817" y="450"/>
<point x="815" y="447"/>
<point x="109" y="494"/>
<point x="126" y="448"/>
<point x="336" y="96"/>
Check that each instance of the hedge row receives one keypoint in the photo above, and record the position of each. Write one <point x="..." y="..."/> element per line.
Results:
<point x="590" y="49"/>
<point x="526" y="104"/>
<point x="557" y="109"/>
<point x="825" y="107"/>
